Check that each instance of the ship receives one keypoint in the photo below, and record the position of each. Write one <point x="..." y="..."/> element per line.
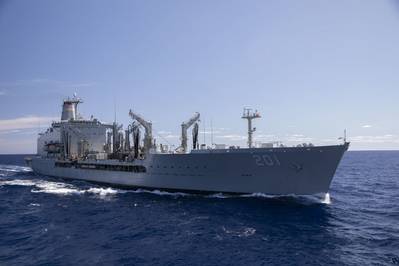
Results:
<point x="108" y="153"/>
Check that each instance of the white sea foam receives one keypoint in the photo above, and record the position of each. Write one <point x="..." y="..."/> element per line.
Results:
<point x="252" y="195"/>
<point x="247" y="232"/>
<point x="159" y="192"/>
<point x="220" y="196"/>
<point x="55" y="188"/>
<point x="42" y="186"/>
<point x="103" y="191"/>
<point x="14" y="168"/>
<point x="59" y="188"/>
<point x="67" y="189"/>
<point x="327" y="199"/>
<point x="243" y="232"/>
<point x="261" y="195"/>
<point x="17" y="182"/>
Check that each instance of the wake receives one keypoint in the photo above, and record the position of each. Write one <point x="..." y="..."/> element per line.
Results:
<point x="14" y="168"/>
<point x="60" y="188"/>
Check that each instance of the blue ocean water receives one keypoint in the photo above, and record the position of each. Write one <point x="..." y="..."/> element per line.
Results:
<point x="47" y="221"/>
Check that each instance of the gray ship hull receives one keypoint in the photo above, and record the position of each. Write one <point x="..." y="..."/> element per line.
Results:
<point x="274" y="171"/>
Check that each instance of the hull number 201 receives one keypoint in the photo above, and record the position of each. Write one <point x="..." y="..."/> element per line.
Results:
<point x="266" y="160"/>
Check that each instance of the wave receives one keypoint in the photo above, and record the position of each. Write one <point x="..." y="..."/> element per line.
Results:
<point x="160" y="192"/>
<point x="242" y="232"/>
<point x="15" y="168"/>
<point x="103" y="191"/>
<point x="252" y="195"/>
<point x="18" y="182"/>
<point x="327" y="199"/>
<point x="59" y="188"/>
<point x="55" y="188"/>
<point x="303" y="199"/>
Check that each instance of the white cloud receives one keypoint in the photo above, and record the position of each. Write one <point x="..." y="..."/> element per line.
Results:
<point x="367" y="126"/>
<point x="40" y="83"/>
<point x="221" y="128"/>
<point x="25" y="122"/>
<point x="164" y="132"/>
<point x="232" y="137"/>
<point x="209" y="132"/>
<point x="387" y="138"/>
<point x="298" y="138"/>
<point x="5" y="132"/>
<point x="264" y="137"/>
<point x="78" y="85"/>
<point x="329" y="140"/>
<point x="295" y="135"/>
<point x="171" y="136"/>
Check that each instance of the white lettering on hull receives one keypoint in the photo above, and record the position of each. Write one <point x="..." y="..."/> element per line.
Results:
<point x="266" y="160"/>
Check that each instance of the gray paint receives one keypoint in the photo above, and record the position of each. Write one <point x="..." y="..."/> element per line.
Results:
<point x="275" y="171"/>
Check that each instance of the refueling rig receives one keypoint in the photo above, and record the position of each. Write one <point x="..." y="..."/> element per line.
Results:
<point x="76" y="138"/>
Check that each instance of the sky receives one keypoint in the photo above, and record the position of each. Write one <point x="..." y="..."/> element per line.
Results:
<point x="312" y="68"/>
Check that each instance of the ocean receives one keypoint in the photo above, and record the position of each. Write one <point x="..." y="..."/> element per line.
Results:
<point x="48" y="221"/>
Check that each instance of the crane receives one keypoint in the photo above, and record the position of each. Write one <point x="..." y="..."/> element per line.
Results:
<point x="184" y="127"/>
<point x="148" y="129"/>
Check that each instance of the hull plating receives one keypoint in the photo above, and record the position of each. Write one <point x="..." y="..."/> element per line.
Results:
<point x="276" y="171"/>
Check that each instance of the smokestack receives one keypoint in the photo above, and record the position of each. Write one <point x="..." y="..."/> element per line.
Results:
<point x="70" y="109"/>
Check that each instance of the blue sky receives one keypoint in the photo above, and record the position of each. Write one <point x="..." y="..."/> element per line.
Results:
<point x="312" y="68"/>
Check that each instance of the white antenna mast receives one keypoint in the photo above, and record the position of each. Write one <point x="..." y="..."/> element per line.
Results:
<point x="344" y="137"/>
<point x="211" y="133"/>
<point x="204" y="132"/>
<point x="114" y="110"/>
<point x="249" y="115"/>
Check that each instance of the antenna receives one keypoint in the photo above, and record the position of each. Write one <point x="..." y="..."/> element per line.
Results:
<point x="211" y="133"/>
<point x="344" y="137"/>
<point x="204" y="132"/>
<point x="114" y="110"/>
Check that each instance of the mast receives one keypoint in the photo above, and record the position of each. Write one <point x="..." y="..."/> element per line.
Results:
<point x="249" y="115"/>
<point x="212" y="134"/>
